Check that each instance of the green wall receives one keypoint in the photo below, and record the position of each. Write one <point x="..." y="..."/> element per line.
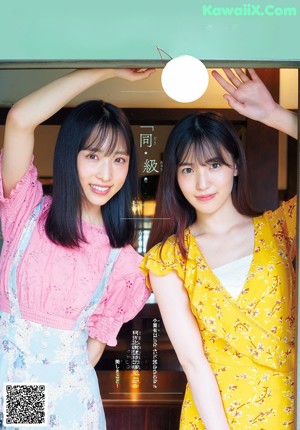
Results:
<point x="113" y="31"/>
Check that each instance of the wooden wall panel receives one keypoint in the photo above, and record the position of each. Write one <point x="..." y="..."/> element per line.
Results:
<point x="143" y="417"/>
<point x="262" y="152"/>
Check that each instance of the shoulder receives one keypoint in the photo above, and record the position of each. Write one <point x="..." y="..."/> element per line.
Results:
<point x="281" y="224"/>
<point x="28" y="189"/>
<point x="130" y="257"/>
<point x="19" y="205"/>
<point x="128" y="281"/>
<point x="163" y="258"/>
<point x="286" y="211"/>
<point x="47" y="202"/>
<point x="163" y="251"/>
<point x="126" y="268"/>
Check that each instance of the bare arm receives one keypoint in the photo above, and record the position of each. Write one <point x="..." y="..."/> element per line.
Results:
<point x="35" y="108"/>
<point x="95" y="350"/>
<point x="250" y="97"/>
<point x="184" y="334"/>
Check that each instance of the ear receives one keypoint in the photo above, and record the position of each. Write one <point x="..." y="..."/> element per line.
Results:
<point x="236" y="170"/>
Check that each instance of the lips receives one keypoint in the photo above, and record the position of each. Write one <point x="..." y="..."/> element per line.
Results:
<point x="99" y="189"/>
<point x="206" y="197"/>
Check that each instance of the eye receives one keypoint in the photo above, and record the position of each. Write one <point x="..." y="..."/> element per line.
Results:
<point x="215" y="165"/>
<point x="92" y="156"/>
<point x="120" y="160"/>
<point x="187" y="170"/>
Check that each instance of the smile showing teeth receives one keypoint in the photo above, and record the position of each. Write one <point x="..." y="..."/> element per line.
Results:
<point x="98" y="188"/>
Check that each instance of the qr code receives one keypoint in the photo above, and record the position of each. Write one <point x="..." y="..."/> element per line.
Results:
<point x="25" y="404"/>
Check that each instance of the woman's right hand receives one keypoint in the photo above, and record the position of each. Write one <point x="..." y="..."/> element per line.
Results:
<point x="37" y="107"/>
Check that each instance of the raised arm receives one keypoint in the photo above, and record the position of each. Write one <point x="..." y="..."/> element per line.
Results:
<point x="250" y="97"/>
<point x="35" y="108"/>
<point x="184" y="334"/>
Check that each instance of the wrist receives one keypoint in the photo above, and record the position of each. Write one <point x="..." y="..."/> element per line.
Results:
<point x="274" y="117"/>
<point x="95" y="75"/>
<point x="283" y="120"/>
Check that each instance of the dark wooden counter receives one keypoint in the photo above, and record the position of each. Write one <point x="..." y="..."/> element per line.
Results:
<point x="135" y="404"/>
<point x="148" y="399"/>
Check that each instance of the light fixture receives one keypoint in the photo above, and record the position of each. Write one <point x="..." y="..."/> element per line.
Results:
<point x="184" y="78"/>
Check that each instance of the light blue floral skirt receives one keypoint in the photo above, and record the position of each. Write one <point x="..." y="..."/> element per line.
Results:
<point x="38" y="355"/>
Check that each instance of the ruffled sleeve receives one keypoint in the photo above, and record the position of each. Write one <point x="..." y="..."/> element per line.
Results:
<point x="162" y="259"/>
<point x="125" y="296"/>
<point x="284" y="223"/>
<point x="290" y="215"/>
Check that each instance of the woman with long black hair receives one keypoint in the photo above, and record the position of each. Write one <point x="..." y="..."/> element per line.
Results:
<point x="222" y="273"/>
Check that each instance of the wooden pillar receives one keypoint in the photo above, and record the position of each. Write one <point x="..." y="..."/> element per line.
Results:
<point x="262" y="152"/>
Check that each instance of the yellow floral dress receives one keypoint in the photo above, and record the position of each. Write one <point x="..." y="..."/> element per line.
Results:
<point x="249" y="341"/>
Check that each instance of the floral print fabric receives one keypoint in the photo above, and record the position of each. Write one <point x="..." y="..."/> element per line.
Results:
<point x="34" y="354"/>
<point x="249" y="341"/>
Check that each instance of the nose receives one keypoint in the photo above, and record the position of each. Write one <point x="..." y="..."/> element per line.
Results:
<point x="202" y="179"/>
<point x="104" y="171"/>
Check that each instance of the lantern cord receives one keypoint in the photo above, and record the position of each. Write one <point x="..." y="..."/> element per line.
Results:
<point x="160" y="50"/>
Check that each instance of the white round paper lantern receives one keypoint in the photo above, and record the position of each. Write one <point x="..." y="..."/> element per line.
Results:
<point x="184" y="79"/>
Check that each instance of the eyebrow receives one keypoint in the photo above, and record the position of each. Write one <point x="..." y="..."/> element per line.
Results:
<point x="118" y="152"/>
<point x="209" y="160"/>
<point x="185" y="163"/>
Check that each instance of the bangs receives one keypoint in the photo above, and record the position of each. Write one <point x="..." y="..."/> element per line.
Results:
<point x="107" y="139"/>
<point x="204" y="151"/>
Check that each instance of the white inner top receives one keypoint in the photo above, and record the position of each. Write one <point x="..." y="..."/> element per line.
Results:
<point x="233" y="275"/>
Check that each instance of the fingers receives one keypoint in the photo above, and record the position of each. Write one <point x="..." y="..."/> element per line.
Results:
<point x="237" y="78"/>
<point x="143" y="73"/>
<point x="235" y="104"/>
<point x="150" y="70"/>
<point x="224" y="84"/>
<point x="254" y="75"/>
<point x="133" y="74"/>
<point x="243" y="77"/>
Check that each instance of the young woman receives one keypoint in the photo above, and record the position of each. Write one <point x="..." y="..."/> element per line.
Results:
<point x="222" y="274"/>
<point x="69" y="275"/>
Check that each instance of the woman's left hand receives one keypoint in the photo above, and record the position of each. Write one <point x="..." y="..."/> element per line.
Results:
<point x="133" y="74"/>
<point x="248" y="95"/>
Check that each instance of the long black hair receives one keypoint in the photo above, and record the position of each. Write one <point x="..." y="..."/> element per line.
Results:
<point x="206" y="136"/>
<point x="88" y="126"/>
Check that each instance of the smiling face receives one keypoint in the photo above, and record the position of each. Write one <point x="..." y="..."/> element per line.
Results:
<point x="207" y="184"/>
<point x="102" y="171"/>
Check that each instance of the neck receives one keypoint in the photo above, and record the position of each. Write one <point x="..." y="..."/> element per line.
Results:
<point x="92" y="217"/>
<point x="217" y="223"/>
